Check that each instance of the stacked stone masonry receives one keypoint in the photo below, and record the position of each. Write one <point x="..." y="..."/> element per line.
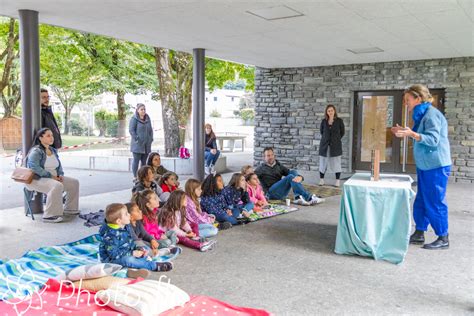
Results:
<point x="290" y="105"/>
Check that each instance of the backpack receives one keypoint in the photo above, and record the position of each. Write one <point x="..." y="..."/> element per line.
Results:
<point x="184" y="153"/>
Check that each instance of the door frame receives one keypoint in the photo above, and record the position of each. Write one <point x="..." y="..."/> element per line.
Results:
<point x="397" y="117"/>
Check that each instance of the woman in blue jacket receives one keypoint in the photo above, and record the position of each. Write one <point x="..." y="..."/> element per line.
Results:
<point x="433" y="165"/>
<point x="141" y="133"/>
<point x="49" y="178"/>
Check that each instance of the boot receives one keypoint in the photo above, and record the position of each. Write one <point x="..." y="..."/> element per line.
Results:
<point x="441" y="243"/>
<point x="418" y="237"/>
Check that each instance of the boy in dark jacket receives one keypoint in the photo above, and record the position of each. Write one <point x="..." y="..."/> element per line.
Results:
<point x="117" y="244"/>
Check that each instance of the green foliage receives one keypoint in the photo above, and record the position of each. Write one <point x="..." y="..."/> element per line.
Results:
<point x="215" y="113"/>
<point x="107" y="123"/>
<point x="247" y="114"/>
<point x="219" y="72"/>
<point x="77" y="128"/>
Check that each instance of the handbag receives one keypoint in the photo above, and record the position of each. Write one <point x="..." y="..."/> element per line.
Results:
<point x="23" y="175"/>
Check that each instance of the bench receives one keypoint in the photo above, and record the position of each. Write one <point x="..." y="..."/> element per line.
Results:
<point x="231" y="141"/>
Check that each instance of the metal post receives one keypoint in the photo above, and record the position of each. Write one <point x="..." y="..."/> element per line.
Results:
<point x="198" y="111"/>
<point x="30" y="84"/>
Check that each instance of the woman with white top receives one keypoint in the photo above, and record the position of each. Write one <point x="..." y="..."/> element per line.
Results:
<point x="49" y="178"/>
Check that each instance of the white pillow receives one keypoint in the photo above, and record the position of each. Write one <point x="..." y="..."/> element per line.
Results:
<point x="92" y="271"/>
<point x="148" y="297"/>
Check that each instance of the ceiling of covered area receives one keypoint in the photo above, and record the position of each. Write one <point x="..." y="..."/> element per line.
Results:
<point x="322" y="35"/>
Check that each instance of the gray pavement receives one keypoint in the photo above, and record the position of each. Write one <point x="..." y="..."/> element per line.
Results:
<point x="287" y="265"/>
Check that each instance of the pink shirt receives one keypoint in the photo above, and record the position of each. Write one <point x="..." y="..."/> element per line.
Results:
<point x="256" y="194"/>
<point x="152" y="227"/>
<point x="194" y="216"/>
<point x="181" y="231"/>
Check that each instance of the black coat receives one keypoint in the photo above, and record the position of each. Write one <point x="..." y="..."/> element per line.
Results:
<point x="331" y="136"/>
<point x="48" y="120"/>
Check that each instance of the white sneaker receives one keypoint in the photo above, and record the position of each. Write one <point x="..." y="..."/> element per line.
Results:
<point x="208" y="245"/>
<point x="321" y="181"/>
<point x="212" y="170"/>
<point x="316" y="200"/>
<point x="207" y="171"/>
<point x="301" y="201"/>
<point x="338" y="183"/>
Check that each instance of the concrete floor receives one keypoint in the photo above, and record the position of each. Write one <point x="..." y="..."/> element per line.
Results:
<point x="287" y="265"/>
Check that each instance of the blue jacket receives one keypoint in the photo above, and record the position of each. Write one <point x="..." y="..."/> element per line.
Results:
<point x="432" y="151"/>
<point x="115" y="243"/>
<point x="141" y="133"/>
<point x="36" y="159"/>
<point x="235" y="197"/>
<point x="216" y="204"/>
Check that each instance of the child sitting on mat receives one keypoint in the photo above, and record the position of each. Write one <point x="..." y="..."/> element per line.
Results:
<point x="255" y="192"/>
<point x="148" y="203"/>
<point x="236" y="196"/>
<point x="117" y="244"/>
<point x="142" y="238"/>
<point x="172" y="217"/>
<point x="213" y="202"/>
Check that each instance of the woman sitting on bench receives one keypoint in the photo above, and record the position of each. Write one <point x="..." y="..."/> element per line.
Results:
<point x="49" y="178"/>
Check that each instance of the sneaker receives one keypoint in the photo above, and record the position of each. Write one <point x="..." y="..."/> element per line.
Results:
<point x="207" y="170"/>
<point x="164" y="252"/>
<point x="72" y="212"/>
<point x="301" y="201"/>
<point x="338" y="183"/>
<point x="175" y="250"/>
<point x="208" y="245"/>
<point x="212" y="170"/>
<point x="321" y="182"/>
<point x="316" y="200"/>
<point x="138" y="273"/>
<point x="164" y="266"/>
<point x="224" y="225"/>
<point x="53" y="219"/>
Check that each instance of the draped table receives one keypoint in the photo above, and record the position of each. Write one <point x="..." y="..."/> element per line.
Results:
<point x="375" y="218"/>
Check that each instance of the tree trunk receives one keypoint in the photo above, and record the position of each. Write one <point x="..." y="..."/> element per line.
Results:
<point x="8" y="75"/>
<point x="174" y="73"/>
<point x="121" y="113"/>
<point x="67" y="118"/>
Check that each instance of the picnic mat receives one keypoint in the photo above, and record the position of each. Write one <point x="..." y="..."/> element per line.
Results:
<point x="22" y="276"/>
<point x="324" y="191"/>
<point x="75" y="302"/>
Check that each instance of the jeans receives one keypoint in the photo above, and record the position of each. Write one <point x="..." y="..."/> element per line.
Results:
<point x="136" y="263"/>
<point x="171" y="240"/>
<point x="207" y="230"/>
<point x="137" y="158"/>
<point x="430" y="206"/>
<point x="280" y="190"/>
<point x="239" y="208"/>
<point x="224" y="217"/>
<point x="210" y="159"/>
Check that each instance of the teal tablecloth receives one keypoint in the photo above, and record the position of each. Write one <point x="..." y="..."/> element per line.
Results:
<point x="375" y="217"/>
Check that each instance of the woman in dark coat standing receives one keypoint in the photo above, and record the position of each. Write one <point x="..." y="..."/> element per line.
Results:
<point x="330" y="147"/>
<point x="141" y="133"/>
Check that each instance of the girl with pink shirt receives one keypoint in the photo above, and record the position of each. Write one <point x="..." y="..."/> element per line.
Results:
<point x="148" y="203"/>
<point x="255" y="191"/>
<point x="172" y="217"/>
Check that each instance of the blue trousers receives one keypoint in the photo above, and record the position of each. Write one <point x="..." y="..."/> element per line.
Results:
<point x="207" y="230"/>
<point x="430" y="206"/>
<point x="210" y="159"/>
<point x="280" y="190"/>
<point x="136" y="263"/>
<point x="224" y="217"/>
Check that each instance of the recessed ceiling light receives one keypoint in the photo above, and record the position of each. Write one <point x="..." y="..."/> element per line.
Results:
<point x="276" y="13"/>
<point x="367" y="50"/>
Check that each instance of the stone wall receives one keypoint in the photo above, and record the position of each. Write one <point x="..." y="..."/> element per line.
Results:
<point x="290" y="105"/>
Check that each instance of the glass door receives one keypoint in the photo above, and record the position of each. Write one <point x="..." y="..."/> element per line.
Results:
<point x="376" y="112"/>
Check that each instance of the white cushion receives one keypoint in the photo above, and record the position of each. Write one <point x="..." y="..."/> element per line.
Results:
<point x="148" y="297"/>
<point x="92" y="271"/>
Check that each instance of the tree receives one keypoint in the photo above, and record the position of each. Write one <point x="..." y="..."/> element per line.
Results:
<point x="175" y="78"/>
<point x="9" y="84"/>
<point x="65" y="68"/>
<point x="122" y="68"/>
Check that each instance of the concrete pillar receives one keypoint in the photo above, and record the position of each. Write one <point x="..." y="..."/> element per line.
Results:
<point x="30" y="84"/>
<point x="198" y="111"/>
